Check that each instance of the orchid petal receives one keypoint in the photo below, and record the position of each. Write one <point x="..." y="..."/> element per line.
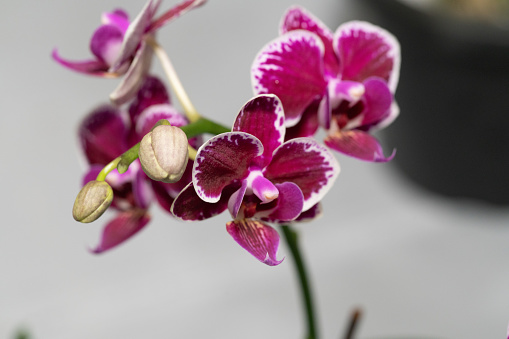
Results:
<point x="377" y="101"/>
<point x="143" y="195"/>
<point x="389" y="118"/>
<point x="152" y="92"/>
<point x="150" y="116"/>
<point x="133" y="79"/>
<point x="297" y="17"/>
<point x="259" y="239"/>
<point x="117" y="18"/>
<point x="235" y="200"/>
<point x="123" y="227"/>
<point x="306" y="163"/>
<point x="106" y="42"/>
<point x="190" y="207"/>
<point x="174" y="13"/>
<point x="91" y="174"/>
<point x="222" y="160"/>
<point x="307" y="126"/>
<point x="264" y="118"/>
<point x="90" y="67"/>
<point x="133" y="37"/>
<point x="357" y="144"/>
<point x="289" y="203"/>
<point x="264" y="189"/>
<point x="291" y="67"/>
<point x="311" y="214"/>
<point x="324" y="111"/>
<point x="103" y="134"/>
<point x="366" y="50"/>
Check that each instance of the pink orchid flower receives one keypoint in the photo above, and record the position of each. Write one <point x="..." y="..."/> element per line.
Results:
<point x="258" y="177"/>
<point x="120" y="47"/>
<point x="342" y="81"/>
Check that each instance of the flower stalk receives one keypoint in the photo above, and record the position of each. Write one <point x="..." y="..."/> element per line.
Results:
<point x="291" y="238"/>
<point x="189" y="109"/>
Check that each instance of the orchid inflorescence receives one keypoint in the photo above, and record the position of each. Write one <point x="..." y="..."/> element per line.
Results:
<point x="267" y="169"/>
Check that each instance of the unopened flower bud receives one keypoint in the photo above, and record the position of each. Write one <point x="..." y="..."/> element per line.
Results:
<point x="93" y="199"/>
<point x="164" y="154"/>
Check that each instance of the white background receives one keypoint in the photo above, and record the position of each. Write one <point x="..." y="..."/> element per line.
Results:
<point x="418" y="265"/>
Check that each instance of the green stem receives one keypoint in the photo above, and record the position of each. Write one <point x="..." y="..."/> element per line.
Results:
<point x="291" y="238"/>
<point x="204" y="125"/>
<point x="107" y="169"/>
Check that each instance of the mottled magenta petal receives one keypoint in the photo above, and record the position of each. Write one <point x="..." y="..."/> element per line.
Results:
<point x="165" y="193"/>
<point x="366" y="50"/>
<point x="236" y="198"/>
<point x="152" y="92"/>
<point x="189" y="206"/>
<point x="377" y="101"/>
<point x="106" y="43"/>
<point x="90" y="67"/>
<point x="133" y="36"/>
<point x="357" y="144"/>
<point x="291" y="67"/>
<point x="314" y="212"/>
<point x="102" y="135"/>
<point x="124" y="226"/>
<point x="306" y="163"/>
<point x="289" y="203"/>
<point x="307" y="126"/>
<point x="133" y="80"/>
<point x="174" y="13"/>
<point x="297" y="17"/>
<point x="153" y="114"/>
<point x="222" y="160"/>
<point x="263" y="117"/>
<point x="259" y="239"/>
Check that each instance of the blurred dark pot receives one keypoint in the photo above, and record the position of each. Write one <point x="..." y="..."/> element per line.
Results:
<point x="452" y="134"/>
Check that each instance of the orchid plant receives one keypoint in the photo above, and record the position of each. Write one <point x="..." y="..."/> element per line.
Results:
<point x="267" y="170"/>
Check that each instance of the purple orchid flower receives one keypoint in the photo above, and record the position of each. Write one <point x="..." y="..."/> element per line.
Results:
<point x="258" y="177"/>
<point x="343" y="82"/>
<point x="120" y="46"/>
<point x="108" y="132"/>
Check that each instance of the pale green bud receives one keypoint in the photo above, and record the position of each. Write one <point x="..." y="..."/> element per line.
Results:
<point x="164" y="153"/>
<point x="93" y="199"/>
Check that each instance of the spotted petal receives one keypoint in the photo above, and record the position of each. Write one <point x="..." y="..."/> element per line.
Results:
<point x="297" y="17"/>
<point x="259" y="239"/>
<point x="306" y="163"/>
<point x="123" y="227"/>
<point x="357" y="144"/>
<point x="264" y="118"/>
<point x="292" y="68"/>
<point x="366" y="50"/>
<point x="222" y="160"/>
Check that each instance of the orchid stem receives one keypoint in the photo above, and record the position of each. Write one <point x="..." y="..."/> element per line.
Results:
<point x="291" y="238"/>
<point x="191" y="112"/>
<point x="107" y="169"/>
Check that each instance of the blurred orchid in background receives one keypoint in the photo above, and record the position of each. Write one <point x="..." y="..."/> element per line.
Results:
<point x="105" y="134"/>
<point x="120" y="47"/>
<point x="343" y="82"/>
